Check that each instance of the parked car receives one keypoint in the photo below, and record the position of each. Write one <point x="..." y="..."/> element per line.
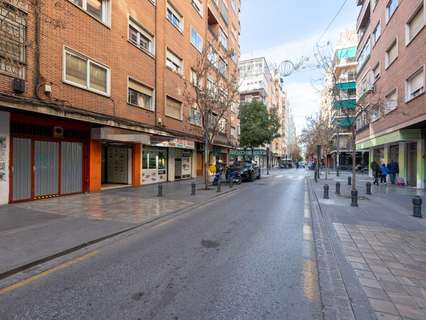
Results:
<point x="249" y="170"/>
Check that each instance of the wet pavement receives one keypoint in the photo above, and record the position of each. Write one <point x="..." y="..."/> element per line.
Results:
<point x="249" y="256"/>
<point x="382" y="245"/>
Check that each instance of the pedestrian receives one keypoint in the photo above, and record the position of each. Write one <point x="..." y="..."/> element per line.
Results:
<point x="383" y="173"/>
<point x="376" y="171"/>
<point x="393" y="169"/>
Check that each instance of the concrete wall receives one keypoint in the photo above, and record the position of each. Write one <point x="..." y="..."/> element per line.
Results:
<point x="4" y="156"/>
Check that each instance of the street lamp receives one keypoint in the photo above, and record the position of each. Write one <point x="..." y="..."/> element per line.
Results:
<point x="267" y="161"/>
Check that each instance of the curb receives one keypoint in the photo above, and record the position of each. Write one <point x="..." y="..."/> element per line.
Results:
<point x="59" y="254"/>
<point x="339" y="294"/>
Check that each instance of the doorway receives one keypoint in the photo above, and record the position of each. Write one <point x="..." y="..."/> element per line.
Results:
<point x="116" y="165"/>
<point x="412" y="164"/>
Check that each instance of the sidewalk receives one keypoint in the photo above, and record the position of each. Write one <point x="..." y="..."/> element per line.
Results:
<point x="382" y="245"/>
<point x="36" y="230"/>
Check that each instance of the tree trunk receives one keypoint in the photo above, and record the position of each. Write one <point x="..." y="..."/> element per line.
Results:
<point x="206" y="161"/>
<point x="326" y="165"/>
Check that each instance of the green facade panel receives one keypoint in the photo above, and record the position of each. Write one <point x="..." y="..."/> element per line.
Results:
<point x="346" y="85"/>
<point x="393" y="137"/>
<point x="345" y="104"/>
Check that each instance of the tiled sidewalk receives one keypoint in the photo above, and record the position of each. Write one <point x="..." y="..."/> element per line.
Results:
<point x="383" y="244"/>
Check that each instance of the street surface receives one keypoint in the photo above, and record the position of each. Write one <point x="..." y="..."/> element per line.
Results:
<point x="247" y="256"/>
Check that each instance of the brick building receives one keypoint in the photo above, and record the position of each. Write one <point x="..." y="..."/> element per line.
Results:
<point x="391" y="80"/>
<point x="92" y="92"/>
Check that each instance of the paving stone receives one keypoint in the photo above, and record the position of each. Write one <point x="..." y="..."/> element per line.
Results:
<point x="360" y="266"/>
<point x="375" y="293"/>
<point x="386" y="316"/>
<point x="355" y="259"/>
<point x="411" y="312"/>
<point x="383" y="306"/>
<point x="365" y="282"/>
<point x="403" y="299"/>
<point x="365" y="274"/>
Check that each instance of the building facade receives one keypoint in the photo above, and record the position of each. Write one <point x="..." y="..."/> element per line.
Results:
<point x="391" y="82"/>
<point x="257" y="82"/>
<point x="92" y="93"/>
<point x="343" y="81"/>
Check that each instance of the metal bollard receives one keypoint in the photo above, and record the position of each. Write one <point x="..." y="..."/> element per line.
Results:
<point x="326" y="191"/>
<point x="218" y="185"/>
<point x="193" y="188"/>
<point x="160" y="190"/>
<point x="316" y="177"/>
<point x="349" y="181"/>
<point x="338" y="188"/>
<point x="368" y="186"/>
<point x="231" y="183"/>
<point x="417" y="207"/>
<point x="354" y="198"/>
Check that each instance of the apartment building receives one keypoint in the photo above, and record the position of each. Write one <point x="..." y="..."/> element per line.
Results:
<point x="257" y="82"/>
<point x="343" y="92"/>
<point x="92" y="92"/>
<point x="391" y="82"/>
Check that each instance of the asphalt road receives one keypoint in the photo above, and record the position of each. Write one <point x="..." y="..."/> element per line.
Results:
<point x="248" y="256"/>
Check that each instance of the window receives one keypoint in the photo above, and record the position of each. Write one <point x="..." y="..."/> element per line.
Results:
<point x="234" y="6"/>
<point x="364" y="55"/>
<point x="173" y="108"/>
<point x="415" y="25"/>
<point x="375" y="35"/>
<point x="376" y="72"/>
<point x="391" y="54"/>
<point x="141" y="38"/>
<point x="391" y="101"/>
<point x="212" y="56"/>
<point x="174" y="17"/>
<point x="222" y="67"/>
<point x="196" y="40"/>
<point x="223" y="11"/>
<point x="195" y="116"/>
<point x="223" y="39"/>
<point x="85" y="73"/>
<point x="391" y="8"/>
<point x="174" y="62"/>
<point x="234" y="132"/>
<point x="375" y="115"/>
<point x="221" y="125"/>
<point x="415" y="85"/>
<point x="140" y="95"/>
<point x="99" y="9"/>
<point x="13" y="24"/>
<point x="198" y="6"/>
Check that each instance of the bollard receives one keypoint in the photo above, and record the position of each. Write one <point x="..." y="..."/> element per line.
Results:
<point x="316" y="177"/>
<point x="417" y="207"/>
<point x="354" y="198"/>
<point x="326" y="190"/>
<point x="349" y="181"/>
<point x="368" y="186"/>
<point x="160" y="190"/>
<point x="218" y="185"/>
<point x="193" y="188"/>
<point x="338" y="188"/>
<point x="231" y="183"/>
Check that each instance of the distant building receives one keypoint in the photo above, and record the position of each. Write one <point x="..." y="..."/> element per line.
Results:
<point x="259" y="83"/>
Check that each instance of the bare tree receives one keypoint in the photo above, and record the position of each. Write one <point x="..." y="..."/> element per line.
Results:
<point x="211" y="92"/>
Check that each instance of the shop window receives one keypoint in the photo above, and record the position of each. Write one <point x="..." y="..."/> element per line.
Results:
<point x="140" y="95"/>
<point x="173" y="108"/>
<point x="85" y="73"/>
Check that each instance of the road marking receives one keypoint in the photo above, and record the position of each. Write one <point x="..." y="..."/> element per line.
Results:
<point x="43" y="274"/>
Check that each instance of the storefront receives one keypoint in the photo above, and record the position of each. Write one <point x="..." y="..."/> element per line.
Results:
<point x="183" y="164"/>
<point x="47" y="157"/>
<point x="154" y="165"/>
<point x="116" y="164"/>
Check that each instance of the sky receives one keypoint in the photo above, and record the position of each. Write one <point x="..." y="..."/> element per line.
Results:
<point x="289" y="30"/>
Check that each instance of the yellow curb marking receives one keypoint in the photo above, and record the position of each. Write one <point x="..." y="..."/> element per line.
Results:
<point x="46" y="273"/>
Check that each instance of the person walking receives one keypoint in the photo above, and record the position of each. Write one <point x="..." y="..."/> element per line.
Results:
<point x="383" y="173"/>
<point x="376" y="172"/>
<point x="393" y="169"/>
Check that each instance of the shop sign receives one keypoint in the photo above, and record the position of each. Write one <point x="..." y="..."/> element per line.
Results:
<point x="174" y="143"/>
<point x="119" y="135"/>
<point x="247" y="152"/>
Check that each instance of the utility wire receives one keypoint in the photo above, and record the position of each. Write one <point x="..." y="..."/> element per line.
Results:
<point x="332" y="20"/>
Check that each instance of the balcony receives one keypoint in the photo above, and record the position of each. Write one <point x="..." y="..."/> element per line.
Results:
<point x="346" y="85"/>
<point x="346" y="104"/>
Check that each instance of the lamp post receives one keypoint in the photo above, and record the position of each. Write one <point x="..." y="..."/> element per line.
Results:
<point x="318" y="160"/>
<point x="267" y="160"/>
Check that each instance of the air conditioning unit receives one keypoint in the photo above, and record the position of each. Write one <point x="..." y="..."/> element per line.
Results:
<point x="18" y="85"/>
